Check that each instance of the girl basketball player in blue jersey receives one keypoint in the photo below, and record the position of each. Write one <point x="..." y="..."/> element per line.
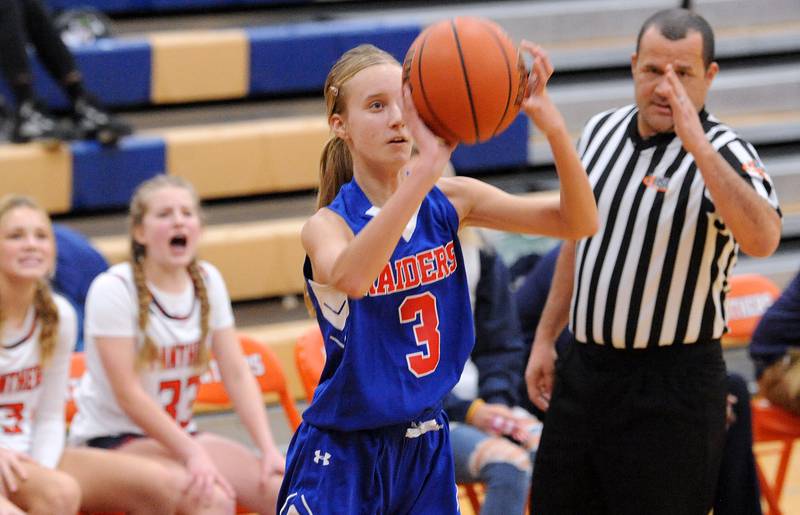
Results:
<point x="150" y="326"/>
<point x="37" y="334"/>
<point x="385" y="275"/>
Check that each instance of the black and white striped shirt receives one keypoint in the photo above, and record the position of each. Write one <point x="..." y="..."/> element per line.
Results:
<point x="656" y="271"/>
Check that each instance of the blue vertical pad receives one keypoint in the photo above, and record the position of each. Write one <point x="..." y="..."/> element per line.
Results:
<point x="106" y="177"/>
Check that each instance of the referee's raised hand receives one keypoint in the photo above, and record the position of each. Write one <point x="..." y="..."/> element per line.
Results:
<point x="684" y="113"/>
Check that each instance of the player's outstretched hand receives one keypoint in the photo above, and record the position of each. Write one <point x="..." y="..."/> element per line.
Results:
<point x="540" y="374"/>
<point x="434" y="153"/>
<point x="12" y="469"/>
<point x="537" y="103"/>
<point x="203" y="476"/>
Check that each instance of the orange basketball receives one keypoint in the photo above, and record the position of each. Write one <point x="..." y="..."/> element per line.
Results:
<point x="467" y="79"/>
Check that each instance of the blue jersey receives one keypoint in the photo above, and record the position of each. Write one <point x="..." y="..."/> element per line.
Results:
<point x="394" y="354"/>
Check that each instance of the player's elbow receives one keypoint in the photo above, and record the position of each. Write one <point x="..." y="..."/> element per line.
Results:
<point x="580" y="229"/>
<point x="353" y="287"/>
<point x="587" y="228"/>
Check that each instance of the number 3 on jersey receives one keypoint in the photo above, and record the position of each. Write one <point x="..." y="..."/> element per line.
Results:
<point x="172" y="394"/>
<point x="422" y="309"/>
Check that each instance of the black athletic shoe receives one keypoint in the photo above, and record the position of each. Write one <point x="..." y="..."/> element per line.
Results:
<point x="31" y="122"/>
<point x="93" y="122"/>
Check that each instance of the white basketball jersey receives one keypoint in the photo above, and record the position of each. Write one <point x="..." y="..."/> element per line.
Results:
<point x="31" y="396"/>
<point x="173" y="325"/>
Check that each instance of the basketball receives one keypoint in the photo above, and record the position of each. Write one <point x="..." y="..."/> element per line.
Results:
<point x="467" y="79"/>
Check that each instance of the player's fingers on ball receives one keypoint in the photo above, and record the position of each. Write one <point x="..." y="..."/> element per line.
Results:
<point x="527" y="46"/>
<point x="548" y="64"/>
<point x="541" y="76"/>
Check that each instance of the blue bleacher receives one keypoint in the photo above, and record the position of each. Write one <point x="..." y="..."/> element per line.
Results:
<point x="143" y="6"/>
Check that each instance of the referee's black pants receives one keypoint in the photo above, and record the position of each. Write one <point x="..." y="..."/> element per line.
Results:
<point x="632" y="432"/>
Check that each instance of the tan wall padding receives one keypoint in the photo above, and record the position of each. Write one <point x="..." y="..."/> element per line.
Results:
<point x="248" y="158"/>
<point x="257" y="259"/>
<point x="199" y="65"/>
<point x="33" y="170"/>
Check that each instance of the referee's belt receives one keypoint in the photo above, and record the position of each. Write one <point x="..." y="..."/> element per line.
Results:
<point x="418" y="429"/>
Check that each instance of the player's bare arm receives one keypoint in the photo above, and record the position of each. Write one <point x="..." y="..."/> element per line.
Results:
<point x="243" y="389"/>
<point x="351" y="263"/>
<point x="483" y="205"/>
<point x="754" y="223"/>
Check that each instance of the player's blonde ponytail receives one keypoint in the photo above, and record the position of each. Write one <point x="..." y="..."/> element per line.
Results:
<point x="148" y="353"/>
<point x="43" y="302"/>
<point x="336" y="163"/>
<point x="47" y="314"/>
<point x="200" y="290"/>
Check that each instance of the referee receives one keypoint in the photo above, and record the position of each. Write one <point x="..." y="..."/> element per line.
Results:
<point x="636" y="421"/>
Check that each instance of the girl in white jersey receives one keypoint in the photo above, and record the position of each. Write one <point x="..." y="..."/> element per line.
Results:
<point x="150" y="325"/>
<point x="37" y="335"/>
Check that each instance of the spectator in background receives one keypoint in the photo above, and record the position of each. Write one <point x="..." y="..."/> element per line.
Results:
<point x="22" y="21"/>
<point x="775" y="348"/>
<point x="77" y="264"/>
<point x="481" y="406"/>
<point x="37" y="332"/>
<point x="151" y="324"/>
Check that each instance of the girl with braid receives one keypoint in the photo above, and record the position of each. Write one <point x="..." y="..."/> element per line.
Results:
<point x="37" y="335"/>
<point x="150" y="326"/>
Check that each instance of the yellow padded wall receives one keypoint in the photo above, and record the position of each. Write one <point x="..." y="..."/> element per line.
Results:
<point x="256" y="259"/>
<point x="199" y="65"/>
<point x="248" y="158"/>
<point x="41" y="173"/>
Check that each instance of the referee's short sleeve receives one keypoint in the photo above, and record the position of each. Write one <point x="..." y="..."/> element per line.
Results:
<point x="744" y="159"/>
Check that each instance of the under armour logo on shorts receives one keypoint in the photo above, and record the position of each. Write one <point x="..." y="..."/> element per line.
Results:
<point x="325" y="458"/>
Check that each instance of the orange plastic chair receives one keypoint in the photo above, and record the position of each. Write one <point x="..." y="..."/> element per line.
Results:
<point x="749" y="297"/>
<point x="309" y="356"/>
<point x="774" y="424"/>
<point x="77" y="367"/>
<point x="211" y="394"/>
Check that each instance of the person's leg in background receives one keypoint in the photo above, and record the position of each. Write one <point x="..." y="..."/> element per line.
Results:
<point x="90" y="119"/>
<point x="30" y="121"/>
<point x="737" y="487"/>
<point x="503" y="467"/>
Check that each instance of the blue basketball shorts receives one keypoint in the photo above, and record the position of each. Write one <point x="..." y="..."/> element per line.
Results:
<point x="390" y="471"/>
